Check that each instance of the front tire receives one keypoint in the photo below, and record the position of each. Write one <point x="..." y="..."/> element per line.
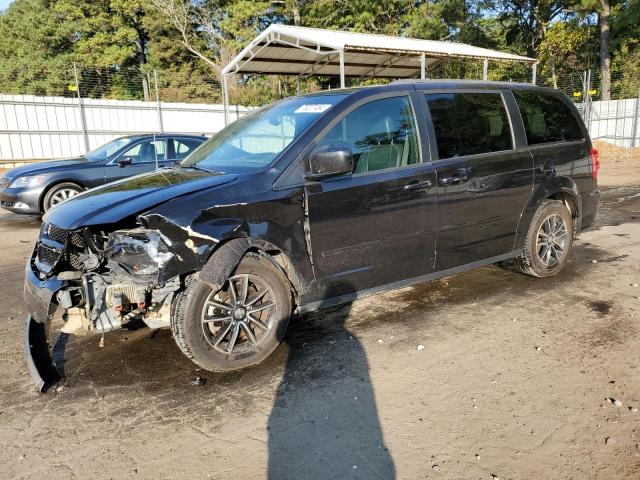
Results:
<point x="549" y="241"/>
<point x="59" y="193"/>
<point x="237" y="326"/>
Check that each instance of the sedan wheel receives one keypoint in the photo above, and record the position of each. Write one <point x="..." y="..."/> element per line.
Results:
<point x="60" y="193"/>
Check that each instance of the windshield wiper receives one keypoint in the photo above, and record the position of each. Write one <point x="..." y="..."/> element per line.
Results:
<point x="195" y="167"/>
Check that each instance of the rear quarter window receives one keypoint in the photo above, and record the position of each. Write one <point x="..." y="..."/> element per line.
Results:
<point x="547" y="118"/>
<point x="469" y="123"/>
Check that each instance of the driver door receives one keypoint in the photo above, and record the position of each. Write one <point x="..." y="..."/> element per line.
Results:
<point x="137" y="159"/>
<point x="375" y="226"/>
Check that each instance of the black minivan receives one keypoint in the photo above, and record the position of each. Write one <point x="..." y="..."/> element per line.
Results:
<point x="314" y="201"/>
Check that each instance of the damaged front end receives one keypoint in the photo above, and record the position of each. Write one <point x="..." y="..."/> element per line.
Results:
<point x="101" y="280"/>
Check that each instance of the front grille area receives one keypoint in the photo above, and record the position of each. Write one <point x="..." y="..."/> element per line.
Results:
<point x="58" y="234"/>
<point x="4" y="183"/>
<point x="47" y="256"/>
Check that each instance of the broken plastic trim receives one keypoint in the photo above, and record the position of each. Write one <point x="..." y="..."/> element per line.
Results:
<point x="36" y="349"/>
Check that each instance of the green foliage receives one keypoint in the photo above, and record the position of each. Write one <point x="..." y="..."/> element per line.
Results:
<point x="118" y="44"/>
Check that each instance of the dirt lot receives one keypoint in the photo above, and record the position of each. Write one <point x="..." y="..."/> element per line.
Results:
<point x="512" y="382"/>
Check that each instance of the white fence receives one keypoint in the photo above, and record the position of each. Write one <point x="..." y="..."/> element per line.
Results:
<point x="49" y="127"/>
<point x="53" y="127"/>
<point x="614" y="121"/>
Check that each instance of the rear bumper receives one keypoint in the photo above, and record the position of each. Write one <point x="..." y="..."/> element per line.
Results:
<point x="589" y="202"/>
<point x="21" y="200"/>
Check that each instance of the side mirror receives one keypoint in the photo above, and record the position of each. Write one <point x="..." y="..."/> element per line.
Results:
<point x="124" y="161"/>
<point x="329" y="161"/>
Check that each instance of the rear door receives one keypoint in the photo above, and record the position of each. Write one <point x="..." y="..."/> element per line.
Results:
<point x="180" y="147"/>
<point x="374" y="226"/>
<point x="485" y="173"/>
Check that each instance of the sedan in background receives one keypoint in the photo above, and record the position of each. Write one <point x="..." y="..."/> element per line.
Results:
<point x="35" y="188"/>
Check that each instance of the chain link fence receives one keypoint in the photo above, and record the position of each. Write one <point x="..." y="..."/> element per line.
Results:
<point x="67" y="109"/>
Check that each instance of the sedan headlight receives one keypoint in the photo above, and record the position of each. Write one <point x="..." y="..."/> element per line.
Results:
<point x="28" y="181"/>
<point x="139" y="251"/>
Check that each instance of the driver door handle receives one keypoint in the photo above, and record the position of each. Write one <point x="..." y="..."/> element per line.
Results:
<point x="418" y="185"/>
<point x="454" y="179"/>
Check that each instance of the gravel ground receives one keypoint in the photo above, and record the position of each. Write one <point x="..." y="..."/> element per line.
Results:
<point x="517" y="378"/>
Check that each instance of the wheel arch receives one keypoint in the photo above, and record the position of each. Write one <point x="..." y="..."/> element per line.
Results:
<point x="55" y="183"/>
<point x="228" y="254"/>
<point x="557" y="188"/>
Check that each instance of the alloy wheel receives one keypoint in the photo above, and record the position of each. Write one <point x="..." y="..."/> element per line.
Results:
<point x="551" y="240"/>
<point x="62" y="195"/>
<point x="238" y="317"/>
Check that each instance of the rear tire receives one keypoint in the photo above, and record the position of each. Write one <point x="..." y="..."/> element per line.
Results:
<point x="59" y="193"/>
<point x="234" y="327"/>
<point x="549" y="241"/>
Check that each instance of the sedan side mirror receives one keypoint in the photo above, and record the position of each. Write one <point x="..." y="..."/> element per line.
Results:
<point x="330" y="161"/>
<point x="124" y="161"/>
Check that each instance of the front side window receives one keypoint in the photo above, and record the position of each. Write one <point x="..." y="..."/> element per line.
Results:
<point x="469" y="123"/>
<point x="547" y="118"/>
<point x="146" y="152"/>
<point x="381" y="134"/>
<point x="255" y="140"/>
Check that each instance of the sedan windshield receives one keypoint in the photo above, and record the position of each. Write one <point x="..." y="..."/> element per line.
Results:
<point x="255" y="140"/>
<point x="105" y="151"/>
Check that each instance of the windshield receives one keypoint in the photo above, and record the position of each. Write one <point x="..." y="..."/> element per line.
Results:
<point x="105" y="151"/>
<point x="255" y="140"/>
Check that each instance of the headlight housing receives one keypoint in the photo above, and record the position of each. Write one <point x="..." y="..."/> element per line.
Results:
<point x="140" y="251"/>
<point x="28" y="181"/>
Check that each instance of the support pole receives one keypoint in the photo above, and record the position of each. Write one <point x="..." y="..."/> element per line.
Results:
<point x="225" y="100"/>
<point x="485" y="69"/>
<point x="534" y="73"/>
<point x="636" y="122"/>
<point x="158" y="104"/>
<point x="83" y="118"/>
<point x="423" y="66"/>
<point x="342" y="82"/>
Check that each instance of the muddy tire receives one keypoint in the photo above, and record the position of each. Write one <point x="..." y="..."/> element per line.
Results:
<point x="548" y="243"/>
<point x="237" y="326"/>
<point x="59" y="193"/>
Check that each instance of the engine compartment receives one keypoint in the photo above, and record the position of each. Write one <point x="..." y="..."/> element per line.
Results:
<point x="110" y="278"/>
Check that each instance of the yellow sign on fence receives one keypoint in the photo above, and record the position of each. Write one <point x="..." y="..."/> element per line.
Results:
<point x="72" y="88"/>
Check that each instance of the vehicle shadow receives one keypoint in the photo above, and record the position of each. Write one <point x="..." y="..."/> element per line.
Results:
<point x="324" y="421"/>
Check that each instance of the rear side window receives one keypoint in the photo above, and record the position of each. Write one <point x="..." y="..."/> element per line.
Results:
<point x="469" y="123"/>
<point x="547" y="118"/>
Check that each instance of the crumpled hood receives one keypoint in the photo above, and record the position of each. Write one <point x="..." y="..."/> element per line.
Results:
<point x="44" y="167"/>
<point x="119" y="200"/>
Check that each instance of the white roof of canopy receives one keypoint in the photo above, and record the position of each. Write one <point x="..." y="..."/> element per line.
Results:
<point x="289" y="50"/>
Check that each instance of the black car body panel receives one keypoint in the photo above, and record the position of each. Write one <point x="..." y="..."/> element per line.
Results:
<point x="336" y="238"/>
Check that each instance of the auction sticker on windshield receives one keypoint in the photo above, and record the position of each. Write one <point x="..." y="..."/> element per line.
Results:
<point x="312" y="108"/>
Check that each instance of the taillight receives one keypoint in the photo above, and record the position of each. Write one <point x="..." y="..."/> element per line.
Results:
<point x="595" y="162"/>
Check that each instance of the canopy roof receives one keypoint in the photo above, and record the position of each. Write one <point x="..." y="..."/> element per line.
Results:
<point x="289" y="50"/>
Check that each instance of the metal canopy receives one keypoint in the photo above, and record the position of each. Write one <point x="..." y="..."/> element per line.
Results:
<point x="302" y="51"/>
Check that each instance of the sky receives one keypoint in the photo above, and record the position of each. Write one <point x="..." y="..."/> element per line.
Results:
<point x="4" y="4"/>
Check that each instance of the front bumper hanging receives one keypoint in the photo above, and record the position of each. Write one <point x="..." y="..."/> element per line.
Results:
<point x="36" y="348"/>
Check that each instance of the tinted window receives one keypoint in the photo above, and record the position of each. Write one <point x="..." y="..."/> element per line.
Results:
<point x="547" y="118"/>
<point x="184" y="146"/>
<point x="469" y="123"/>
<point x="147" y="152"/>
<point x="381" y="134"/>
